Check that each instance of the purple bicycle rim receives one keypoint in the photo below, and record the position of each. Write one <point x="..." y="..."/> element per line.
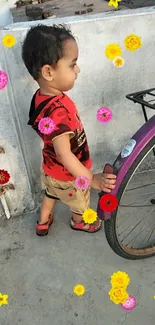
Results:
<point x="142" y="137"/>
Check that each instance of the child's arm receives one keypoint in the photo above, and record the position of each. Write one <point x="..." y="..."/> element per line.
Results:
<point x="62" y="148"/>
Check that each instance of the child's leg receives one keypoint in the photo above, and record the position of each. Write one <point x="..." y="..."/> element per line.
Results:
<point x="49" y="200"/>
<point x="78" y="201"/>
<point x="46" y="217"/>
<point x="46" y="209"/>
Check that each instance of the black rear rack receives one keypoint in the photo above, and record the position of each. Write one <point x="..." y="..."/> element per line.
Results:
<point x="149" y="101"/>
<point x="138" y="97"/>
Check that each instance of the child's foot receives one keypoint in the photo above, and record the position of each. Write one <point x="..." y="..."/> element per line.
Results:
<point x="96" y="226"/>
<point x="43" y="228"/>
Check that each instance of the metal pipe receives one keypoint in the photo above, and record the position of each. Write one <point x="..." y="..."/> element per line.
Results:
<point x="5" y="206"/>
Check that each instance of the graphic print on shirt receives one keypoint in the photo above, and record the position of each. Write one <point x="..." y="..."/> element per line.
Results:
<point x="79" y="132"/>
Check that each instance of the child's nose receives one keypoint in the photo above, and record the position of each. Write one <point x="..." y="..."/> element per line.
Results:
<point x="78" y="69"/>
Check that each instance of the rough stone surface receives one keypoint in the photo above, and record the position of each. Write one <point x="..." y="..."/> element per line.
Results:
<point x="39" y="274"/>
<point x="33" y="12"/>
<point x="66" y="8"/>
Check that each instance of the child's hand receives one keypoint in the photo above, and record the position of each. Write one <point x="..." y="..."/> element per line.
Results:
<point x="104" y="182"/>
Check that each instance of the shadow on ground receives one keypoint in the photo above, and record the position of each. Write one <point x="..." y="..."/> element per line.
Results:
<point x="39" y="274"/>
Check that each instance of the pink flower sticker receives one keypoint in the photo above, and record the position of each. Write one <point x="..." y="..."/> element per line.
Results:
<point x="82" y="183"/>
<point x="129" y="304"/>
<point x="46" y="125"/>
<point x="3" y="79"/>
<point x="104" y="115"/>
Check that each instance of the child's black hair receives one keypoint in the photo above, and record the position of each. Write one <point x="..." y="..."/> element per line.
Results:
<point x="44" y="45"/>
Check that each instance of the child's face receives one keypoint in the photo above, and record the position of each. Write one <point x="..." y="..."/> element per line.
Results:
<point x="66" y="71"/>
<point x="62" y="77"/>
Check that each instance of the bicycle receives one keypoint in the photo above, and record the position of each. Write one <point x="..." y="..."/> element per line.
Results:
<point x="131" y="232"/>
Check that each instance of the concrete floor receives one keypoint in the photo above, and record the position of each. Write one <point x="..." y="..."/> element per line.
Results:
<point x="39" y="274"/>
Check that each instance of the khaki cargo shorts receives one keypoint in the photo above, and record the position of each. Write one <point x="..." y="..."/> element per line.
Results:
<point x="77" y="200"/>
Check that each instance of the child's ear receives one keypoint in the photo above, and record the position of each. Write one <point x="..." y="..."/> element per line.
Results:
<point x="47" y="72"/>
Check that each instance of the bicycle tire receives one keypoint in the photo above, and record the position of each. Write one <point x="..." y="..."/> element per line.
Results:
<point x="110" y="224"/>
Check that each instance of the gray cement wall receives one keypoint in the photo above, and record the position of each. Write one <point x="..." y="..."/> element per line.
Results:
<point x="99" y="84"/>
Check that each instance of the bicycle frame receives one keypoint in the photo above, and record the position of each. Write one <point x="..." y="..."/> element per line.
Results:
<point x="121" y="165"/>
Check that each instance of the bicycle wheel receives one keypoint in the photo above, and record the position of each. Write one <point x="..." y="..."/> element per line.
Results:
<point x="130" y="231"/>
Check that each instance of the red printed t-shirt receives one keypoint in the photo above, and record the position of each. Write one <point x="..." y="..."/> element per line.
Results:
<point x="63" y="112"/>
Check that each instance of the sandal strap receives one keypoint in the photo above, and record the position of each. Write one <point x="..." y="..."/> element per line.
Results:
<point x="45" y="226"/>
<point x="81" y="225"/>
<point x="91" y="228"/>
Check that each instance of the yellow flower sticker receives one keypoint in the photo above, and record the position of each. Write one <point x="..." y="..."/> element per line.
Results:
<point x="112" y="51"/>
<point x="118" y="295"/>
<point x="120" y="279"/>
<point x="114" y="3"/>
<point x="118" y="62"/>
<point x="3" y="299"/>
<point x="132" y="42"/>
<point x="9" y="40"/>
<point x="79" y="290"/>
<point x="89" y="216"/>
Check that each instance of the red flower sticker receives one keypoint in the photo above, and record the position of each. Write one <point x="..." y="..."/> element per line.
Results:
<point x="4" y="177"/>
<point x="108" y="202"/>
<point x="70" y="194"/>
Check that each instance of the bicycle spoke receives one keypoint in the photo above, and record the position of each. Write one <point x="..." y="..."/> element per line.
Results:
<point x="138" y="187"/>
<point x="136" y="226"/>
<point x="137" y="235"/>
<point x="151" y="233"/>
<point x="133" y="228"/>
<point x="143" y="240"/>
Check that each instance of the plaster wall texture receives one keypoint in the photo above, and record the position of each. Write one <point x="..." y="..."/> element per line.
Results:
<point x="99" y="84"/>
